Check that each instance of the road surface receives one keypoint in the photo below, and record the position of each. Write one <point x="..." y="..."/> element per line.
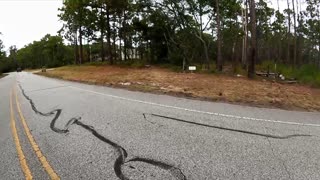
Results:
<point x="54" y="129"/>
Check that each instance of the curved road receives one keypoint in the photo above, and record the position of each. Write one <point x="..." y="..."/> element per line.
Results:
<point x="54" y="129"/>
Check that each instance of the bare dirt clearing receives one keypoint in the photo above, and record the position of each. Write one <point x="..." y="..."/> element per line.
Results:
<point x="203" y="86"/>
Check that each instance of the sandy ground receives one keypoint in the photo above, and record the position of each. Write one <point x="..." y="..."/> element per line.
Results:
<point x="203" y="86"/>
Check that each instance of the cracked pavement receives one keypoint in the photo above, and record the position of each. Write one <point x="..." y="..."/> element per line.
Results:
<point x="153" y="140"/>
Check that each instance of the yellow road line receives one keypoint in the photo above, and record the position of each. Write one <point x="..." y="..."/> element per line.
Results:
<point x="22" y="158"/>
<point x="41" y="157"/>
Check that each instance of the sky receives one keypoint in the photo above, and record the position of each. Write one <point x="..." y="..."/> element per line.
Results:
<point x="24" y="21"/>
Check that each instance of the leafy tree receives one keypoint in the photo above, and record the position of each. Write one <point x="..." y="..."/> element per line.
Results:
<point x="2" y="51"/>
<point x="50" y="51"/>
<point x="183" y="32"/>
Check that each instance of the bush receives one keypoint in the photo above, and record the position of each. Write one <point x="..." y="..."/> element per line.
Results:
<point x="7" y="66"/>
<point x="138" y="64"/>
<point x="265" y="64"/>
<point x="317" y="81"/>
<point x="287" y="71"/>
<point x="307" y="74"/>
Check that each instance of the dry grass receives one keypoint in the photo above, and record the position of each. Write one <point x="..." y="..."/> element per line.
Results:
<point x="204" y="86"/>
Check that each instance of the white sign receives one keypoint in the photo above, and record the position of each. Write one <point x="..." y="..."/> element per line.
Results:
<point x="192" y="68"/>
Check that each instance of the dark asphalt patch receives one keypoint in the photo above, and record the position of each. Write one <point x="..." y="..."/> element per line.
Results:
<point x="228" y="129"/>
<point x="122" y="153"/>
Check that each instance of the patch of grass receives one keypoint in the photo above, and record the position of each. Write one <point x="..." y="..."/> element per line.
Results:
<point x="309" y="75"/>
<point x="306" y="74"/>
<point x="240" y="70"/>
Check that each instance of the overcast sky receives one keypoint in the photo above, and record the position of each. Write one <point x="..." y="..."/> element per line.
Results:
<point x="23" y="21"/>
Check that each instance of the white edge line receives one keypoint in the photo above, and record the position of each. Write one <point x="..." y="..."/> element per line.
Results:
<point x="197" y="111"/>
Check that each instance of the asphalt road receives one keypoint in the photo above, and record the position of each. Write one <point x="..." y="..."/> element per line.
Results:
<point x="69" y="130"/>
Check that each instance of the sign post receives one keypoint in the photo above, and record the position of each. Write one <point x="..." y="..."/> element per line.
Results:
<point x="192" y="68"/>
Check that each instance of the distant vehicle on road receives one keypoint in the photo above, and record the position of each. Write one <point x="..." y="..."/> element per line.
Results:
<point x="19" y="69"/>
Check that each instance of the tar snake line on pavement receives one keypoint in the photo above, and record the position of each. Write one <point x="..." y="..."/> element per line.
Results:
<point x="121" y="152"/>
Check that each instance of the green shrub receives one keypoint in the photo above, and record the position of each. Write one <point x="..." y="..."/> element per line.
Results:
<point x="265" y="64"/>
<point x="287" y="71"/>
<point x="308" y="70"/>
<point x="306" y="74"/>
<point x="317" y="81"/>
<point x="309" y="74"/>
<point x="138" y="64"/>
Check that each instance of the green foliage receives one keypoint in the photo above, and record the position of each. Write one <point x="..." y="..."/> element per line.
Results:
<point x="7" y="65"/>
<point x="306" y="74"/>
<point x="50" y="51"/>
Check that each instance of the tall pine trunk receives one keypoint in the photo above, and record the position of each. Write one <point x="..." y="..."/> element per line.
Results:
<point x="288" y="33"/>
<point x="295" y="35"/>
<point x="102" y="35"/>
<point x="253" y="54"/>
<point x="76" y="48"/>
<point x="125" y="45"/>
<point x="81" y="45"/>
<point x="279" y="40"/>
<point x="109" y="35"/>
<point x="219" y="57"/>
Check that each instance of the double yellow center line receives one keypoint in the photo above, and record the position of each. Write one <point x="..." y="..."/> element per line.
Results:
<point x="23" y="162"/>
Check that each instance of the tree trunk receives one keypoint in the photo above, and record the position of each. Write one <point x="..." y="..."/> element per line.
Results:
<point x="81" y="45"/>
<point x="207" y="55"/>
<point x="102" y="48"/>
<point x="279" y="58"/>
<point x="76" y="48"/>
<point x="219" y="57"/>
<point x="299" y="37"/>
<point x="109" y="35"/>
<point x="120" y="37"/>
<point x="319" y="54"/>
<point x="124" y="26"/>
<point x="102" y="35"/>
<point x="318" y="35"/>
<point x="251" y="68"/>
<point x="234" y="58"/>
<point x="247" y="33"/>
<point x="114" y="43"/>
<point x="295" y="35"/>
<point x="244" y="39"/>
<point x="288" y="33"/>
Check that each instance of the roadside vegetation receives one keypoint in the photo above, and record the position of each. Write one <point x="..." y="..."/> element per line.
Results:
<point x="232" y="39"/>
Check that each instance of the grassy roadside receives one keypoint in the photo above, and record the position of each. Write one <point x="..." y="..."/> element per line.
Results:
<point x="201" y="86"/>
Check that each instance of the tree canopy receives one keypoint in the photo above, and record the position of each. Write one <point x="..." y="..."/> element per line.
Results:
<point x="207" y="33"/>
